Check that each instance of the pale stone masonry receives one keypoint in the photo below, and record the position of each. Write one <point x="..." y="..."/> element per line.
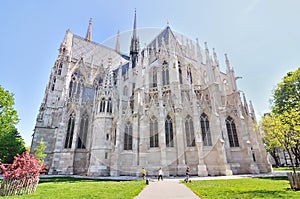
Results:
<point x="167" y="105"/>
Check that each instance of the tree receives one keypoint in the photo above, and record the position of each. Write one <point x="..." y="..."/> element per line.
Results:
<point x="282" y="126"/>
<point x="11" y="145"/>
<point x="10" y="139"/>
<point x="8" y="115"/>
<point x="39" y="151"/>
<point x="287" y="94"/>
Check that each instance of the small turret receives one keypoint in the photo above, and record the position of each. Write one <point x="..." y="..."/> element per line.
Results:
<point x="88" y="36"/>
<point x="216" y="61"/>
<point x="118" y="43"/>
<point x="134" y="46"/>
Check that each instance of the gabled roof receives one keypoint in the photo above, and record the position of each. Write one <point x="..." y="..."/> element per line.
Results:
<point x="167" y="35"/>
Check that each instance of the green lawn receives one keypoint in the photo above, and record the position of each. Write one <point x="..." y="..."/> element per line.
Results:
<point x="69" y="188"/>
<point x="285" y="169"/>
<point x="277" y="187"/>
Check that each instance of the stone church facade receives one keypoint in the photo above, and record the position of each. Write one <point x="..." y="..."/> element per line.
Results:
<point x="166" y="105"/>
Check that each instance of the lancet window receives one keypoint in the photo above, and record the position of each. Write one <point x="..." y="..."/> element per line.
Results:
<point x="169" y="132"/>
<point x="205" y="130"/>
<point x="232" y="134"/>
<point x="189" y="131"/>
<point x="153" y="132"/>
<point x="165" y="73"/>
<point x="128" y="136"/>
<point x="84" y="123"/>
<point x="70" y="131"/>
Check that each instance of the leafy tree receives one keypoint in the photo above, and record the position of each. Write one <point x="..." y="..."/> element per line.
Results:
<point x="39" y="151"/>
<point x="11" y="145"/>
<point x="287" y="94"/>
<point x="282" y="126"/>
<point x="8" y="115"/>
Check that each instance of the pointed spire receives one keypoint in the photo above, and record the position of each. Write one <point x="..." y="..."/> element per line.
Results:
<point x="118" y="43"/>
<point x="134" y="47"/>
<point x="207" y="57"/>
<point x="199" y="54"/>
<point x="245" y="104"/>
<point x="252" y="109"/>
<point x="215" y="57"/>
<point x="88" y="36"/>
<point x="227" y="62"/>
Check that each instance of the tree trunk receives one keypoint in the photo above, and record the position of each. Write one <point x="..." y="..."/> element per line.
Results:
<point x="294" y="179"/>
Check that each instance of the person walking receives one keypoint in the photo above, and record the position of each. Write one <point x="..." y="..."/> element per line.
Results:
<point x="187" y="173"/>
<point x="160" y="174"/>
<point x="144" y="173"/>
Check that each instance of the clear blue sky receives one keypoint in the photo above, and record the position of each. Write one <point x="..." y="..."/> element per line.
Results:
<point x="261" y="38"/>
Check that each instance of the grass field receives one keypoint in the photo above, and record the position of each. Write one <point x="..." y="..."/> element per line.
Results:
<point x="277" y="187"/>
<point x="285" y="169"/>
<point x="69" y="188"/>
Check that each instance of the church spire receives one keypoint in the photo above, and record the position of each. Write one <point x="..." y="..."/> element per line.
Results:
<point x="88" y="36"/>
<point x="118" y="43"/>
<point x="134" y="47"/>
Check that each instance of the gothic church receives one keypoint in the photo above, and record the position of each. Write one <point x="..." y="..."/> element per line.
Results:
<point x="165" y="105"/>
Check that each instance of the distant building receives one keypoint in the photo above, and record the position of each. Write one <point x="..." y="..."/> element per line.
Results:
<point x="167" y="105"/>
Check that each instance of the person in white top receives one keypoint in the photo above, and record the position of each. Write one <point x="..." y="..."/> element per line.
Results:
<point x="160" y="174"/>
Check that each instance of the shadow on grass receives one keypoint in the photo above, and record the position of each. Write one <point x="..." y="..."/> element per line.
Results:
<point x="266" y="193"/>
<point x="274" y="178"/>
<point x="73" y="180"/>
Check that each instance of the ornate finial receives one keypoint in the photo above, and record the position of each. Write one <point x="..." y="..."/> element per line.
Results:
<point x="215" y="57"/>
<point x="227" y="62"/>
<point x="118" y="42"/>
<point x="88" y="36"/>
<point x="168" y="23"/>
<point x="205" y="44"/>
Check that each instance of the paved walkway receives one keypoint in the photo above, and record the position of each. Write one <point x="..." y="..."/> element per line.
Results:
<point x="166" y="189"/>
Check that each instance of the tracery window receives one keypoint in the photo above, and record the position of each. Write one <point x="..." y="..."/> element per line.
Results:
<point x="189" y="75"/>
<point x="102" y="105"/>
<point x="60" y="68"/>
<point x="154" y="77"/>
<point x="153" y="132"/>
<point x="75" y="86"/>
<point x="180" y="73"/>
<point x="53" y="84"/>
<point x="84" y="123"/>
<point x="70" y="131"/>
<point x="205" y="130"/>
<point x="128" y="136"/>
<point x="109" y="106"/>
<point x="169" y="132"/>
<point x="165" y="73"/>
<point x="232" y="134"/>
<point x="189" y="131"/>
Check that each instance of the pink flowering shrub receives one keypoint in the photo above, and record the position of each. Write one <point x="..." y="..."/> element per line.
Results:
<point x="22" y="176"/>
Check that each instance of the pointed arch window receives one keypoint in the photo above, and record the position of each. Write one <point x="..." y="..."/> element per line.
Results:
<point x="128" y="136"/>
<point x="205" y="130"/>
<point x="180" y="73"/>
<point x="189" y="131"/>
<point x="53" y="84"/>
<point x="231" y="131"/>
<point x="70" y="131"/>
<point x="75" y="86"/>
<point x="109" y="106"/>
<point x="84" y="123"/>
<point x="60" y="68"/>
<point x="169" y="132"/>
<point x="153" y="132"/>
<point x="154" y="77"/>
<point x="102" y="105"/>
<point x="189" y="74"/>
<point x="165" y="73"/>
